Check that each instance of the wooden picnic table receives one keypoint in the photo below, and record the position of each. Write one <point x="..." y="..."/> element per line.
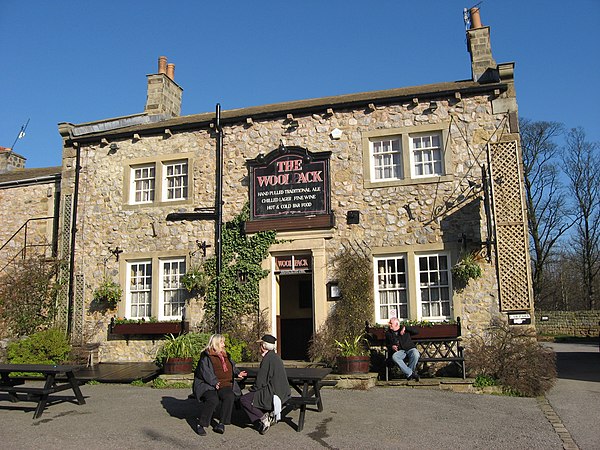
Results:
<point x="16" y="384"/>
<point x="307" y="382"/>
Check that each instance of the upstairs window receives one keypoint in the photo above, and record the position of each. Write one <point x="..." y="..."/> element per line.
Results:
<point x="426" y="152"/>
<point x="387" y="159"/>
<point x="176" y="180"/>
<point x="143" y="182"/>
<point x="159" y="181"/>
<point x="417" y="154"/>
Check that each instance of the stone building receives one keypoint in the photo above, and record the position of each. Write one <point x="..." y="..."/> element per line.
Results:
<point x="414" y="176"/>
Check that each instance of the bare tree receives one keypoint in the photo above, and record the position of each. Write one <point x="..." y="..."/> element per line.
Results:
<point x="582" y="166"/>
<point x="547" y="211"/>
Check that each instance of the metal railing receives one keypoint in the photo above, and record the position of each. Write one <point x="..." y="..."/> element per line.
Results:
<point x="22" y="253"/>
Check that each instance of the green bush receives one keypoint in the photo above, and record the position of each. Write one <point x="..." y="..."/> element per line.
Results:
<point x="354" y="273"/>
<point x="45" y="347"/>
<point x="513" y="357"/>
<point x="235" y="347"/>
<point x="28" y="292"/>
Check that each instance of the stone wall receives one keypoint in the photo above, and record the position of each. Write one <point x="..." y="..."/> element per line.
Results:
<point x="568" y="323"/>
<point x="105" y="220"/>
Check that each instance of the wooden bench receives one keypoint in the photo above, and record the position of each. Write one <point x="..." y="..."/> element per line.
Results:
<point x="16" y="385"/>
<point x="432" y="349"/>
<point x="306" y="382"/>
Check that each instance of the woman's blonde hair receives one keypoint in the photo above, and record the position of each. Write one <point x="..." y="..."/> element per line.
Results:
<point x="215" y="342"/>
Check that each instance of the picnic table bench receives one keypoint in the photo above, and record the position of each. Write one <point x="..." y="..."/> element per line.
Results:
<point x="441" y="345"/>
<point x="307" y="382"/>
<point x="17" y="385"/>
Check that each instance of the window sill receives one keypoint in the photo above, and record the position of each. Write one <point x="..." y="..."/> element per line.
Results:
<point x="407" y="182"/>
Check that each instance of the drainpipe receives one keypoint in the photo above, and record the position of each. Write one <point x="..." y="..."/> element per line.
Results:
<point x="219" y="211"/>
<point x="71" y="293"/>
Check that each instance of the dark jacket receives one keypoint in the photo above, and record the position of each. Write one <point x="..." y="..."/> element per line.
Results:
<point x="205" y="378"/>
<point x="403" y="341"/>
<point x="271" y="379"/>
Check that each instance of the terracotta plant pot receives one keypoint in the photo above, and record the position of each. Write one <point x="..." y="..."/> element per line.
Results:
<point x="353" y="364"/>
<point x="178" y="365"/>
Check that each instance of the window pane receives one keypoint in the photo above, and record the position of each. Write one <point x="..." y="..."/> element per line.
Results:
<point x="173" y="293"/>
<point x="386" y="159"/>
<point x="435" y="292"/>
<point x="391" y="295"/>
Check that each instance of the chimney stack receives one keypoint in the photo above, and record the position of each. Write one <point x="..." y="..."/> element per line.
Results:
<point x="164" y="95"/>
<point x="483" y="65"/>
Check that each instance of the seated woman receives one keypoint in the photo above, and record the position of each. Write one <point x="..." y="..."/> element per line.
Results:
<point x="214" y="384"/>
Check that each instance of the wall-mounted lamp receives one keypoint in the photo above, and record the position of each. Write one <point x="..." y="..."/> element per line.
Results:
<point x="113" y="148"/>
<point x="333" y="291"/>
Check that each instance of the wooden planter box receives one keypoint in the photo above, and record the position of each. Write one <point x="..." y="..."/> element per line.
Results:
<point x="150" y="328"/>
<point x="444" y="330"/>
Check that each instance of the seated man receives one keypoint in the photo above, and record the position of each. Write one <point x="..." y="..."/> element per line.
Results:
<point x="400" y="345"/>
<point x="271" y="380"/>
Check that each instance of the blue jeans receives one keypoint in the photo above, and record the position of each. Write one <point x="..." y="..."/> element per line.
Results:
<point x="413" y="359"/>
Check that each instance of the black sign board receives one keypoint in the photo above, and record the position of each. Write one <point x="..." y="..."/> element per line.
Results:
<point x="289" y="181"/>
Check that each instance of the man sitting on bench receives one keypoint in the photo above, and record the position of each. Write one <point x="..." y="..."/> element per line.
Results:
<point x="400" y="345"/>
<point x="271" y="381"/>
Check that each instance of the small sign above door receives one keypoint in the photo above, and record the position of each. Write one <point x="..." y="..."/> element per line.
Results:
<point x="293" y="263"/>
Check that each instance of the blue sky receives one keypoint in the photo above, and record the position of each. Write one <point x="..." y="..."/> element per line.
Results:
<point x="80" y="61"/>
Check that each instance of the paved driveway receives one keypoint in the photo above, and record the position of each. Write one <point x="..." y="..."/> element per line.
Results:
<point x="129" y="417"/>
<point x="576" y="394"/>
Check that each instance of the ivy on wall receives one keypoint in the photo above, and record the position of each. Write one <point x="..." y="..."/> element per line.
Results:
<point x="241" y="273"/>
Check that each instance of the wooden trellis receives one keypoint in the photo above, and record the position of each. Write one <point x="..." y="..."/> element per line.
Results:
<point x="510" y="220"/>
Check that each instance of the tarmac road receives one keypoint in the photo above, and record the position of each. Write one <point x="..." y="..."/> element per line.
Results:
<point x="576" y="395"/>
<point x="129" y="417"/>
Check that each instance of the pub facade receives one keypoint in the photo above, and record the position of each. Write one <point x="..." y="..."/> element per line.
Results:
<point x="416" y="177"/>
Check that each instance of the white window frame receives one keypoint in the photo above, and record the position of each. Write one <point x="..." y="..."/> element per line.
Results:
<point x="391" y="283"/>
<point x="139" y="285"/>
<point x="407" y="175"/>
<point x="386" y="156"/>
<point x="175" y="184"/>
<point x="148" y="184"/>
<point x="431" y="166"/>
<point x="433" y="284"/>
<point x="172" y="294"/>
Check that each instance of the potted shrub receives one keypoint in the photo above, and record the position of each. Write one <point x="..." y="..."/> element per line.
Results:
<point x="108" y="293"/>
<point x="175" y="355"/>
<point x="354" y="356"/>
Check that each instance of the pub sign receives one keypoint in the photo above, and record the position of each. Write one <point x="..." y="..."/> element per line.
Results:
<point x="289" y="181"/>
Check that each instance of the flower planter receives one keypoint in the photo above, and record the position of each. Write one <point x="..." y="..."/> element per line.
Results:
<point x="178" y="365"/>
<point x="443" y="330"/>
<point x="353" y="364"/>
<point x="150" y="328"/>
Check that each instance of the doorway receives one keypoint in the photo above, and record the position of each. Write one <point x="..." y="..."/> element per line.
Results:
<point x="295" y="319"/>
